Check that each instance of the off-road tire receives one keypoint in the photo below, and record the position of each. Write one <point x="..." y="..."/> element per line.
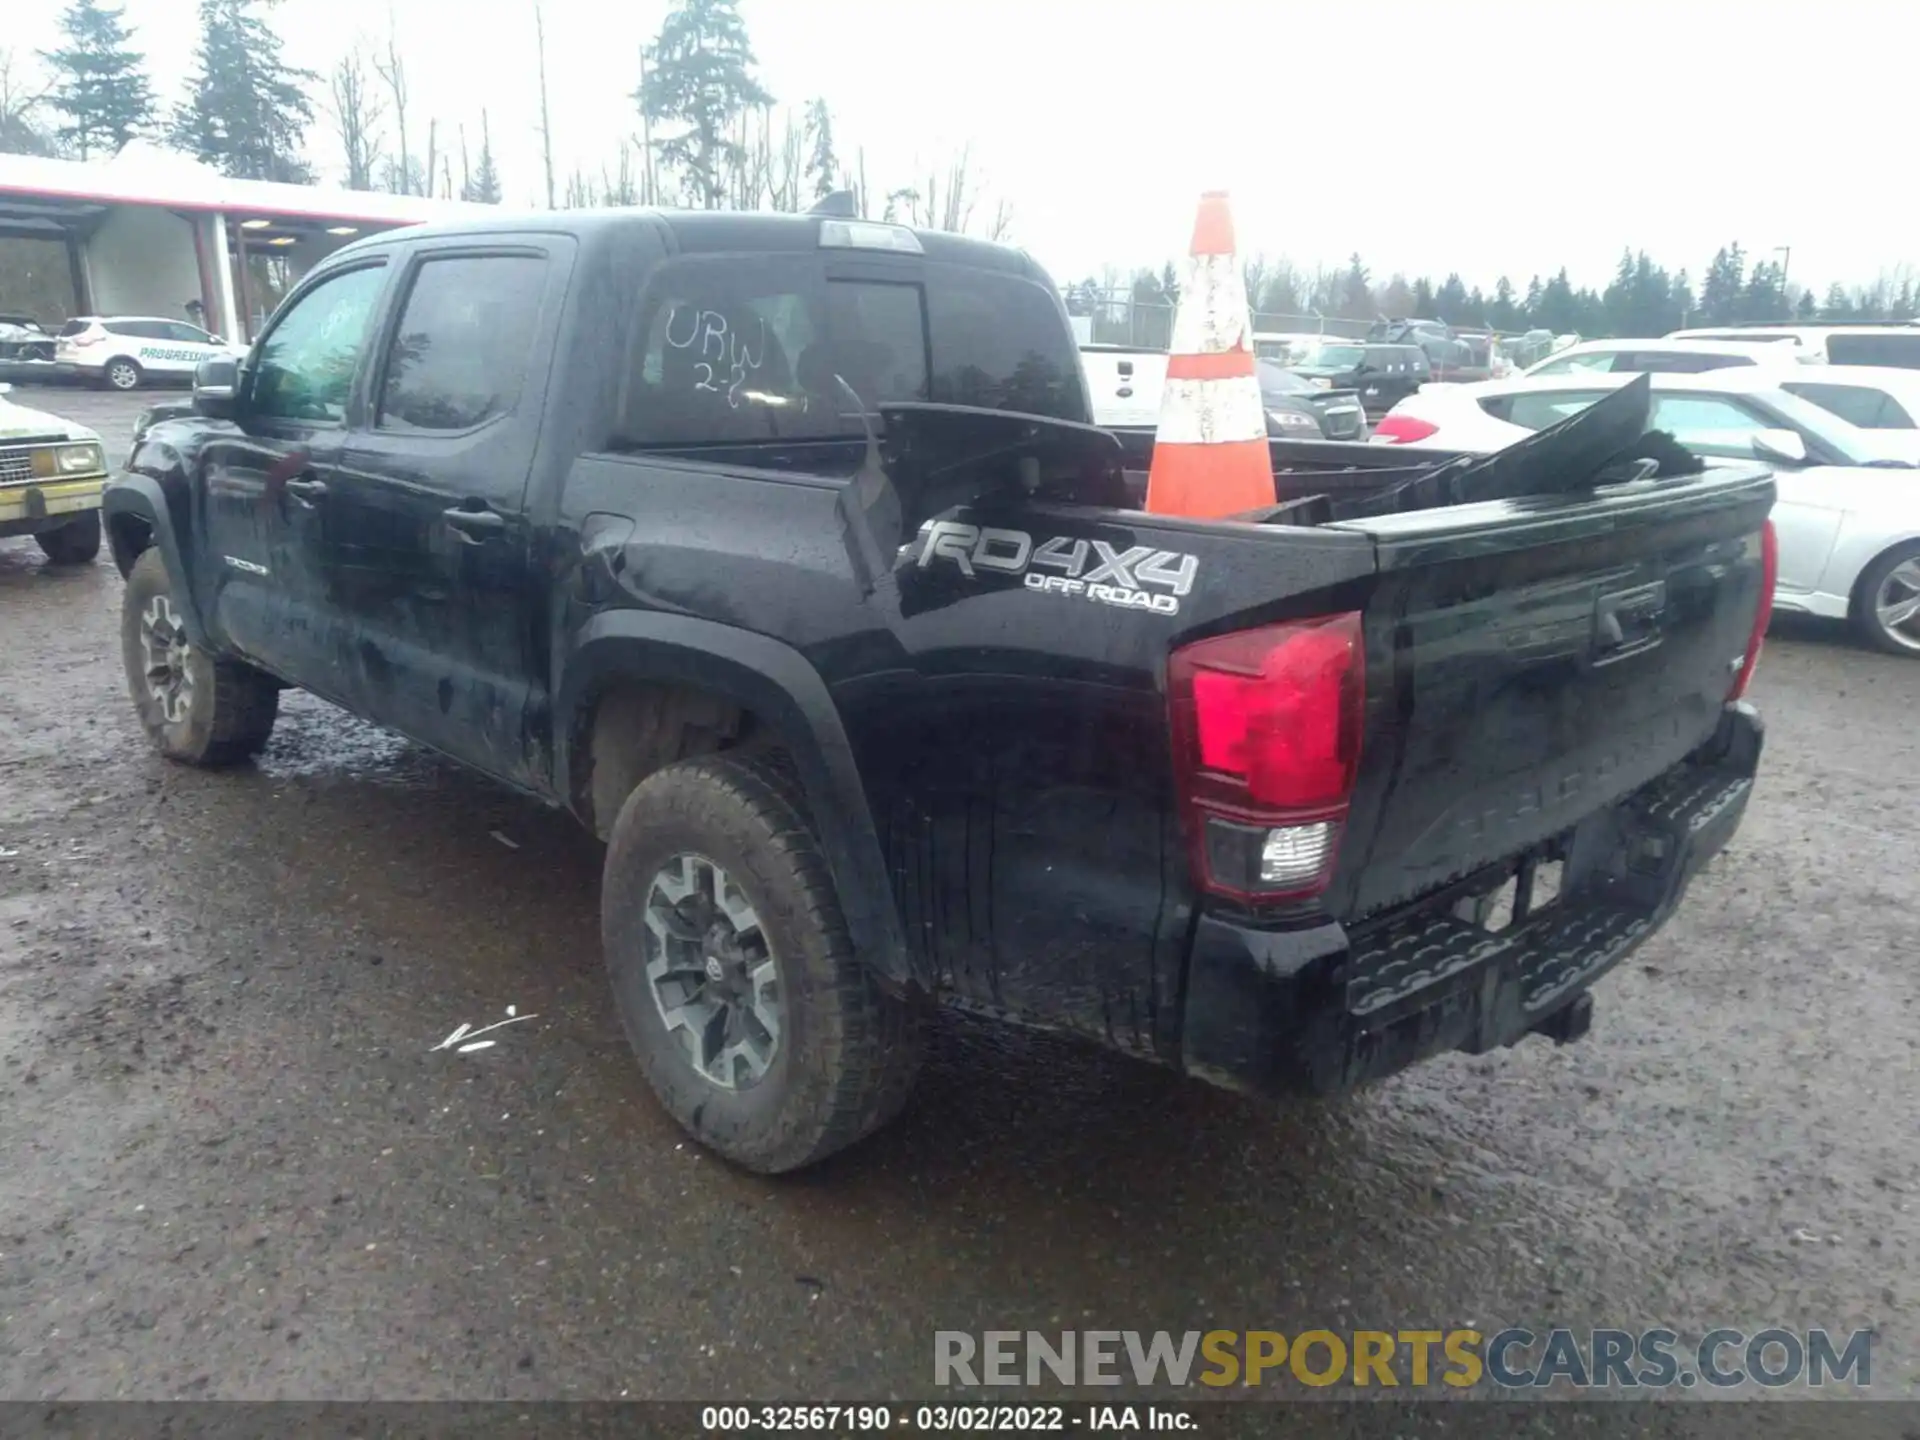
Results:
<point x="1865" y="614"/>
<point x="231" y="706"/>
<point x="122" y="374"/>
<point x="848" y="1051"/>
<point x="75" y="543"/>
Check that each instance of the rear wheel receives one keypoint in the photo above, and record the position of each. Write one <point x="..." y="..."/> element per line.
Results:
<point x="121" y="374"/>
<point x="1886" y="607"/>
<point x="195" y="709"/>
<point x="75" y="543"/>
<point x="758" y="1029"/>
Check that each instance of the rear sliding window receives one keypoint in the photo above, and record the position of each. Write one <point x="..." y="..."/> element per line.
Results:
<point x="737" y="350"/>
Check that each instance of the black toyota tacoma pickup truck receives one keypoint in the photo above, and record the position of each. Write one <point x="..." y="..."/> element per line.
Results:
<point x="779" y="551"/>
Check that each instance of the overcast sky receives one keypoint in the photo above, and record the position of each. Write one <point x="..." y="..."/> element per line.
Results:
<point x="1479" y="135"/>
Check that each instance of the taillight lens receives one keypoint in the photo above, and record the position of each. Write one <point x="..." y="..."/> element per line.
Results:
<point x="1763" y="613"/>
<point x="1404" y="430"/>
<point x="1266" y="733"/>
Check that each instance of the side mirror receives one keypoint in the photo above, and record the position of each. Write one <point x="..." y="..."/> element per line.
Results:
<point x="216" y="389"/>
<point x="1784" y="447"/>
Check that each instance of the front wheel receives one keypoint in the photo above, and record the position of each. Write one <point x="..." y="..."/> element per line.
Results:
<point x="122" y="375"/>
<point x="75" y="543"/>
<point x="761" y="1033"/>
<point x="1886" y="607"/>
<point x="195" y="709"/>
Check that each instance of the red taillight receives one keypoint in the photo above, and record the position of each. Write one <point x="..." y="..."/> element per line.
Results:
<point x="1763" y="613"/>
<point x="1404" y="430"/>
<point x="1266" y="734"/>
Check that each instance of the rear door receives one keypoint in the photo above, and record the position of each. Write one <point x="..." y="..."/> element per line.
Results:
<point x="424" y="553"/>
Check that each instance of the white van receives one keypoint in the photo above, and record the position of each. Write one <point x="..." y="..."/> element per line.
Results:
<point x="1896" y="344"/>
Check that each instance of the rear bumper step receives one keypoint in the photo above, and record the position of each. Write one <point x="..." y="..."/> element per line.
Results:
<point x="1323" y="1011"/>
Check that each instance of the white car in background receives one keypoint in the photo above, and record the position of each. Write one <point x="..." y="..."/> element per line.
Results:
<point x="1848" y="512"/>
<point x="124" y="352"/>
<point x="1678" y="357"/>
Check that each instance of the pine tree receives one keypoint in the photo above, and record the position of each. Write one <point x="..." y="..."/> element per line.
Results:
<point x="1806" y="310"/>
<point x="1722" y="290"/>
<point x="1423" y="305"/>
<point x="1530" y="307"/>
<point x="247" y="110"/>
<point x="700" y="76"/>
<point x="1356" y="291"/>
<point x="823" y="165"/>
<point x="1451" y="301"/>
<point x="1503" y="314"/>
<point x="483" y="185"/>
<point x="100" y="87"/>
<point x="1839" y="304"/>
<point x="1680" y="303"/>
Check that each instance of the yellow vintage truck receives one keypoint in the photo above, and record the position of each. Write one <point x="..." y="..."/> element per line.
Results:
<point x="51" y="474"/>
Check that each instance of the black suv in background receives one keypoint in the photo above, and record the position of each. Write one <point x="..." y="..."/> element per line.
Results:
<point x="1384" y="375"/>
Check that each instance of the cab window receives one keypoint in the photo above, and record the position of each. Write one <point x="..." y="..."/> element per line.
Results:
<point x="307" y="360"/>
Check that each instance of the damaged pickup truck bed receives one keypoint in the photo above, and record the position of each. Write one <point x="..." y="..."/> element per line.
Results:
<point x="778" y="549"/>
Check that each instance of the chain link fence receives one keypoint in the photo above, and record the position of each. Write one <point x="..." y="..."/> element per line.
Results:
<point x="1125" y="319"/>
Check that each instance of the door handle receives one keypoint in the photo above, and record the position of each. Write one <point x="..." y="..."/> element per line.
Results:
<point x="475" y="526"/>
<point x="307" y="491"/>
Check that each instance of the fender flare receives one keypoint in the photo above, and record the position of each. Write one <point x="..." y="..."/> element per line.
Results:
<point x="779" y="684"/>
<point x="143" y="498"/>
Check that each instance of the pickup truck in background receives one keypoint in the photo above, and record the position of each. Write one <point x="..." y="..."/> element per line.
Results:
<point x="780" y="550"/>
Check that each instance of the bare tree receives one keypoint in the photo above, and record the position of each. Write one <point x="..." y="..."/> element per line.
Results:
<point x="648" y="175"/>
<point x="619" y="188"/>
<point x="431" y="173"/>
<point x="356" y="113"/>
<point x="546" y="127"/>
<point x="393" y="70"/>
<point x="20" y="101"/>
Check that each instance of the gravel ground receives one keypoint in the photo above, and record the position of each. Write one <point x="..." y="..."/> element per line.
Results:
<point x="234" y="1166"/>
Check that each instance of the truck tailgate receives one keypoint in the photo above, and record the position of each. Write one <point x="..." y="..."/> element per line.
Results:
<point x="1532" y="661"/>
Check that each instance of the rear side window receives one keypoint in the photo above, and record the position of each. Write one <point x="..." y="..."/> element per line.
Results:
<point x="74" y="327"/>
<point x="1539" y="410"/>
<point x="459" y="354"/>
<point x="139" y="329"/>
<point x="741" y="349"/>
<point x="1860" y="405"/>
<point x="1901" y="351"/>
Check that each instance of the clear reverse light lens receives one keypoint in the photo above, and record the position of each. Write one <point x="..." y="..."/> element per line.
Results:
<point x="1295" y="854"/>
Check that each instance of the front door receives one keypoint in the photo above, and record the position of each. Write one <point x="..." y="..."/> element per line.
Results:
<point x="266" y="481"/>
<point x="427" y="544"/>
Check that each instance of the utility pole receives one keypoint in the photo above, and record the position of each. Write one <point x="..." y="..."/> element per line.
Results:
<point x="546" y="130"/>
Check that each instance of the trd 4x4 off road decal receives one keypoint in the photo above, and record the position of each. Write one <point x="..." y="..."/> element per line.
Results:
<point x="1138" y="578"/>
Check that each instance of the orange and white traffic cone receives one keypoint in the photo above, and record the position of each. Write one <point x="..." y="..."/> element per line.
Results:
<point x="1210" y="455"/>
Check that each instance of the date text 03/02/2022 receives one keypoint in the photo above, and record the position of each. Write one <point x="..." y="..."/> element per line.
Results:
<point x="941" y="1419"/>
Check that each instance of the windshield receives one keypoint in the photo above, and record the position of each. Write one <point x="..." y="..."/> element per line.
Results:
<point x="1276" y="381"/>
<point x="1334" y="357"/>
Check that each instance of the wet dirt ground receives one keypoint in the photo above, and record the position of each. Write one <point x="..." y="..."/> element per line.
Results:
<point x="233" y="1165"/>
